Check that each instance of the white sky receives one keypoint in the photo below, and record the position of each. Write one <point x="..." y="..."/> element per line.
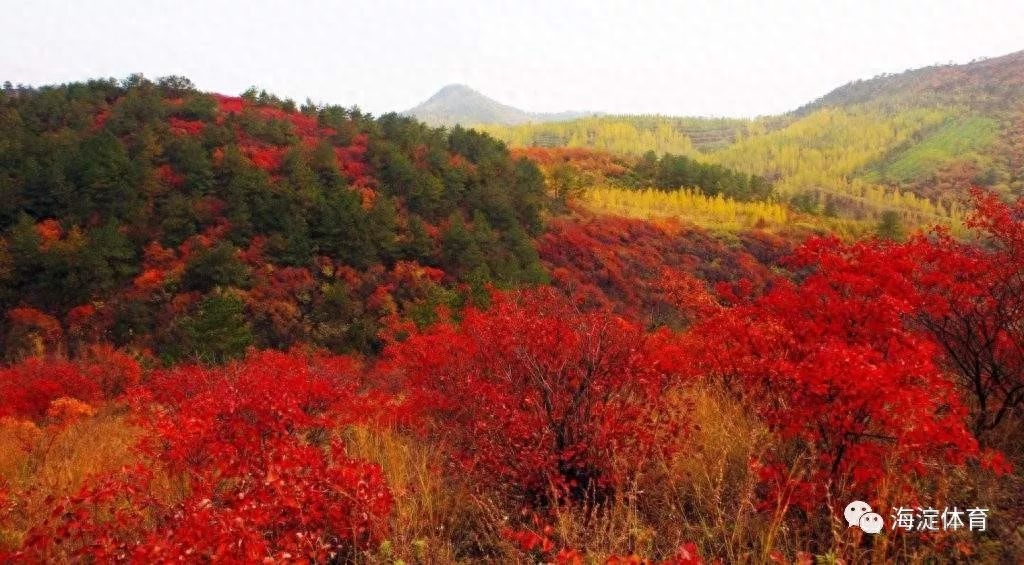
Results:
<point x="723" y="58"/>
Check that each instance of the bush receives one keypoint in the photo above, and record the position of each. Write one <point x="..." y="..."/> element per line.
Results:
<point x="538" y="395"/>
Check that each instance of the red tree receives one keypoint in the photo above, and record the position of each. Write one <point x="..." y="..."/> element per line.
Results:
<point x="972" y="305"/>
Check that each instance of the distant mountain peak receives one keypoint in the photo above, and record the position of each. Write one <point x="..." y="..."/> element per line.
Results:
<point x="460" y="104"/>
<point x="456" y="88"/>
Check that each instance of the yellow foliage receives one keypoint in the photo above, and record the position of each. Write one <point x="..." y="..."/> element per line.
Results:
<point x="828" y="150"/>
<point x="622" y="135"/>
<point x="691" y="205"/>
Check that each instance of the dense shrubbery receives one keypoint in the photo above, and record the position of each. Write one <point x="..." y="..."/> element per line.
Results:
<point x="252" y="463"/>
<point x="848" y="379"/>
<point x="542" y="397"/>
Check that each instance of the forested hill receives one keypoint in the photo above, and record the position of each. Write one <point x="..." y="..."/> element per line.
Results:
<point x="990" y="85"/>
<point x="193" y="224"/>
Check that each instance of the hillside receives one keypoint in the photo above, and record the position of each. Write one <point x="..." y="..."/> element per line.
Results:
<point x="625" y="135"/>
<point x="193" y="225"/>
<point x="460" y="104"/>
<point x="909" y="144"/>
<point x="988" y="85"/>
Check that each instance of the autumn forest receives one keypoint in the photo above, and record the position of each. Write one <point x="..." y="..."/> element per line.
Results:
<point x="244" y="329"/>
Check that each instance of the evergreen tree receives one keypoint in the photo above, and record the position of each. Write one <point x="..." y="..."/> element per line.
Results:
<point x="890" y="226"/>
<point x="216" y="332"/>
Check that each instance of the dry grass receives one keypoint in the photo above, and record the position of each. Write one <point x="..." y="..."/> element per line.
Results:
<point x="437" y="515"/>
<point x="706" y="494"/>
<point x="38" y="462"/>
<point x="711" y="483"/>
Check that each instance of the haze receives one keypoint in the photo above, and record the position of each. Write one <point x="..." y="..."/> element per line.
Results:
<point x="707" y="58"/>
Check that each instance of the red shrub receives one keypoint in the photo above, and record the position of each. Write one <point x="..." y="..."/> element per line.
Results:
<point x="28" y="388"/>
<point x="259" y="423"/>
<point x="185" y="127"/>
<point x="112" y="370"/>
<point x="265" y="481"/>
<point x="267" y="158"/>
<point x="620" y="263"/>
<point x="49" y="231"/>
<point x="540" y="544"/>
<point x="536" y="393"/>
<point x="832" y="365"/>
<point x="229" y="104"/>
<point x="971" y="302"/>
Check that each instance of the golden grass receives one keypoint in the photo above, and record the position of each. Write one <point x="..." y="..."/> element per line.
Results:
<point x="437" y="516"/>
<point x="56" y="460"/>
<point x="707" y="494"/>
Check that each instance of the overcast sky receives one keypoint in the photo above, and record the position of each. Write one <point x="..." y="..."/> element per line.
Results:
<point x="723" y="58"/>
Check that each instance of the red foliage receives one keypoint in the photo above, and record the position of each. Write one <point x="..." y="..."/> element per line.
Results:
<point x="79" y="316"/>
<point x="100" y="372"/>
<point x="167" y="174"/>
<point x="112" y="370"/>
<point x="352" y="159"/>
<point x="87" y="324"/>
<point x="265" y="480"/>
<point x="100" y="119"/>
<point x="597" y="164"/>
<point x="48" y="326"/>
<point x="64" y="411"/>
<point x="305" y="126"/>
<point x="276" y="301"/>
<point x="149" y="280"/>
<point x="229" y="104"/>
<point x="537" y="394"/>
<point x="49" y="232"/>
<point x="621" y="263"/>
<point x="31" y="332"/>
<point x="185" y="127"/>
<point x="29" y="387"/>
<point x="830" y="363"/>
<point x="99" y="523"/>
<point x="259" y="422"/>
<point x="265" y="157"/>
<point x="969" y="299"/>
<point x="460" y="162"/>
<point x="540" y="543"/>
<point x="158" y="256"/>
<point x="210" y="210"/>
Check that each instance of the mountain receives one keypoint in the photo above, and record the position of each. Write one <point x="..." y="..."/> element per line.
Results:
<point x="987" y="85"/>
<point x="460" y="104"/>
